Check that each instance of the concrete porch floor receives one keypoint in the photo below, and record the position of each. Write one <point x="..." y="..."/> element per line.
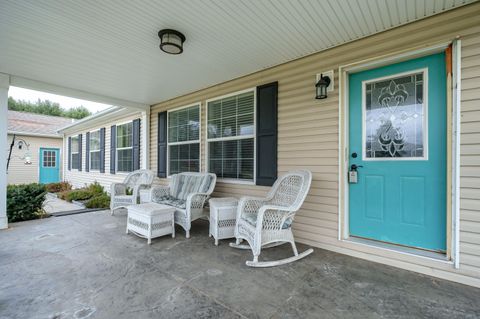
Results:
<point x="85" y="266"/>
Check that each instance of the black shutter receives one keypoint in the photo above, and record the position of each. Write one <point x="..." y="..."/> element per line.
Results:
<point x="162" y="145"/>
<point x="136" y="144"/>
<point x="69" y="153"/>
<point x="80" y="152"/>
<point x="87" y="152"/>
<point x="102" y="150"/>
<point x="113" y="148"/>
<point x="267" y="134"/>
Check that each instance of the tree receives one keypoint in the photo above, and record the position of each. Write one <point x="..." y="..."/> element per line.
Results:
<point x="78" y="112"/>
<point x="47" y="108"/>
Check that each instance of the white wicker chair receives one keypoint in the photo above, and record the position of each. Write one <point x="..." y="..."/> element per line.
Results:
<point x="135" y="181"/>
<point x="266" y="222"/>
<point x="188" y="199"/>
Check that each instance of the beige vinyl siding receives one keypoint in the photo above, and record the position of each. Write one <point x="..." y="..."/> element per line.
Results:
<point x="81" y="178"/>
<point x="308" y="137"/>
<point x="21" y="173"/>
<point x="470" y="156"/>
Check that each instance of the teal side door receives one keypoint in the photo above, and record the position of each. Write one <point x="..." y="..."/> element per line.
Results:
<point x="397" y="137"/>
<point x="49" y="165"/>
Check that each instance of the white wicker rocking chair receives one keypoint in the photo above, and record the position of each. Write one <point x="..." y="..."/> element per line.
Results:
<point x="135" y="181"/>
<point x="266" y="222"/>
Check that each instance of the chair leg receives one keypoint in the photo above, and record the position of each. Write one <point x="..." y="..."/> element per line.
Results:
<point x="187" y="234"/>
<point x="294" y="247"/>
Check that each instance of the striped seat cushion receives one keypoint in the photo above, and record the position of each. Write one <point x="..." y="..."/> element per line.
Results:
<point x="186" y="184"/>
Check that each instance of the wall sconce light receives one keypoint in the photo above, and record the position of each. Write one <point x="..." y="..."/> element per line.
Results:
<point x="171" y="41"/>
<point x="28" y="160"/>
<point x="321" y="87"/>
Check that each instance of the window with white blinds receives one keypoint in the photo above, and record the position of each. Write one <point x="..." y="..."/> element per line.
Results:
<point x="75" y="152"/>
<point x="94" y="144"/>
<point x="231" y="136"/>
<point x="184" y="140"/>
<point x="125" y="147"/>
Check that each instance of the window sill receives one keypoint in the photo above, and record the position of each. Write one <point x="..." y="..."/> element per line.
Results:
<point x="235" y="181"/>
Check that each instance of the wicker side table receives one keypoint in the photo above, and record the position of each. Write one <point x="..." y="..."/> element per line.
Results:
<point x="223" y="214"/>
<point x="151" y="220"/>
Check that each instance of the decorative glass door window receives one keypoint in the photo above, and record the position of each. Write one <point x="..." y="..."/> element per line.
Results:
<point x="395" y="117"/>
<point x="184" y="140"/>
<point x="95" y="150"/>
<point x="125" y="147"/>
<point x="231" y="136"/>
<point x="49" y="159"/>
<point x="74" y="152"/>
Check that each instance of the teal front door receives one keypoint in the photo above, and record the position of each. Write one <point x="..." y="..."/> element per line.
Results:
<point x="49" y="169"/>
<point x="397" y="139"/>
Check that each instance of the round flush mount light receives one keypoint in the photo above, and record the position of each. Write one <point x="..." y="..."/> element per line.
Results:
<point x="171" y="41"/>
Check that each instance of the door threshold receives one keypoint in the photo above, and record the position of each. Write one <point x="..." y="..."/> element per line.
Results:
<point x="440" y="256"/>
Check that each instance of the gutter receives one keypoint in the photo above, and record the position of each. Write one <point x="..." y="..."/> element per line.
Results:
<point x="34" y="134"/>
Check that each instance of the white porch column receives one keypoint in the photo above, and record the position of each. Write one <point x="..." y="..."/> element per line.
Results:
<point x="4" y="84"/>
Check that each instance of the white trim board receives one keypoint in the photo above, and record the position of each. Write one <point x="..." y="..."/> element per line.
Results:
<point x="26" y="83"/>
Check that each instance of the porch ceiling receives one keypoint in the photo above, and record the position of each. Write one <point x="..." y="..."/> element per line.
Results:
<point x="110" y="47"/>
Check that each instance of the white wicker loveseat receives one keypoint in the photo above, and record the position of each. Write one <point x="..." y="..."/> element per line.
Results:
<point x="134" y="182"/>
<point x="267" y="222"/>
<point x="188" y="193"/>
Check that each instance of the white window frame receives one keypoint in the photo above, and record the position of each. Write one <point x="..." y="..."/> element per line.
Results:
<point x="241" y="137"/>
<point x="199" y="104"/>
<point x="43" y="158"/>
<point x="122" y="148"/>
<point x="90" y="150"/>
<point x="72" y="152"/>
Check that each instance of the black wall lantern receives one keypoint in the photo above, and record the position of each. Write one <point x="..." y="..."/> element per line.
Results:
<point x="321" y="87"/>
<point x="171" y="41"/>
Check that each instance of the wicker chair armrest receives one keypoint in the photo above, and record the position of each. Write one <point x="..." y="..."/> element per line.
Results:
<point x="273" y="217"/>
<point x="118" y="189"/>
<point x="156" y="192"/>
<point x="249" y="205"/>
<point x="197" y="200"/>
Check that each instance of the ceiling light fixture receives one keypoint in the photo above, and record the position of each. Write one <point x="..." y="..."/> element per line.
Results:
<point x="171" y="41"/>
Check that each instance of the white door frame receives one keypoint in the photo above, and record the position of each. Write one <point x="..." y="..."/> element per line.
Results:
<point x="344" y="70"/>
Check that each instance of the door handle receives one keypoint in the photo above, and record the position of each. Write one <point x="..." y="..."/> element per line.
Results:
<point x="354" y="167"/>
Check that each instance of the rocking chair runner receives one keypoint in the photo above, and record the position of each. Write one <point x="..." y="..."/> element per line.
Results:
<point x="267" y="222"/>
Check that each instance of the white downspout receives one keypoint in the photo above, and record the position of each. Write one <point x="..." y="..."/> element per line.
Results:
<point x="4" y="85"/>
<point x="145" y="143"/>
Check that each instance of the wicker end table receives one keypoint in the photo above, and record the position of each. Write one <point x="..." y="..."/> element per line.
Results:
<point x="151" y="220"/>
<point x="223" y="214"/>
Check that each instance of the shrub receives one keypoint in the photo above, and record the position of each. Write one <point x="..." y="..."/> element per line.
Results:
<point x="24" y="202"/>
<point x="78" y="194"/>
<point x="63" y="195"/>
<point x="84" y="193"/>
<point x="99" y="201"/>
<point x="58" y="187"/>
<point x="95" y="188"/>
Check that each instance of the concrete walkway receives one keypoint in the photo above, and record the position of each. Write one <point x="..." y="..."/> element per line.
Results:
<point x="85" y="266"/>
<point x="55" y="205"/>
